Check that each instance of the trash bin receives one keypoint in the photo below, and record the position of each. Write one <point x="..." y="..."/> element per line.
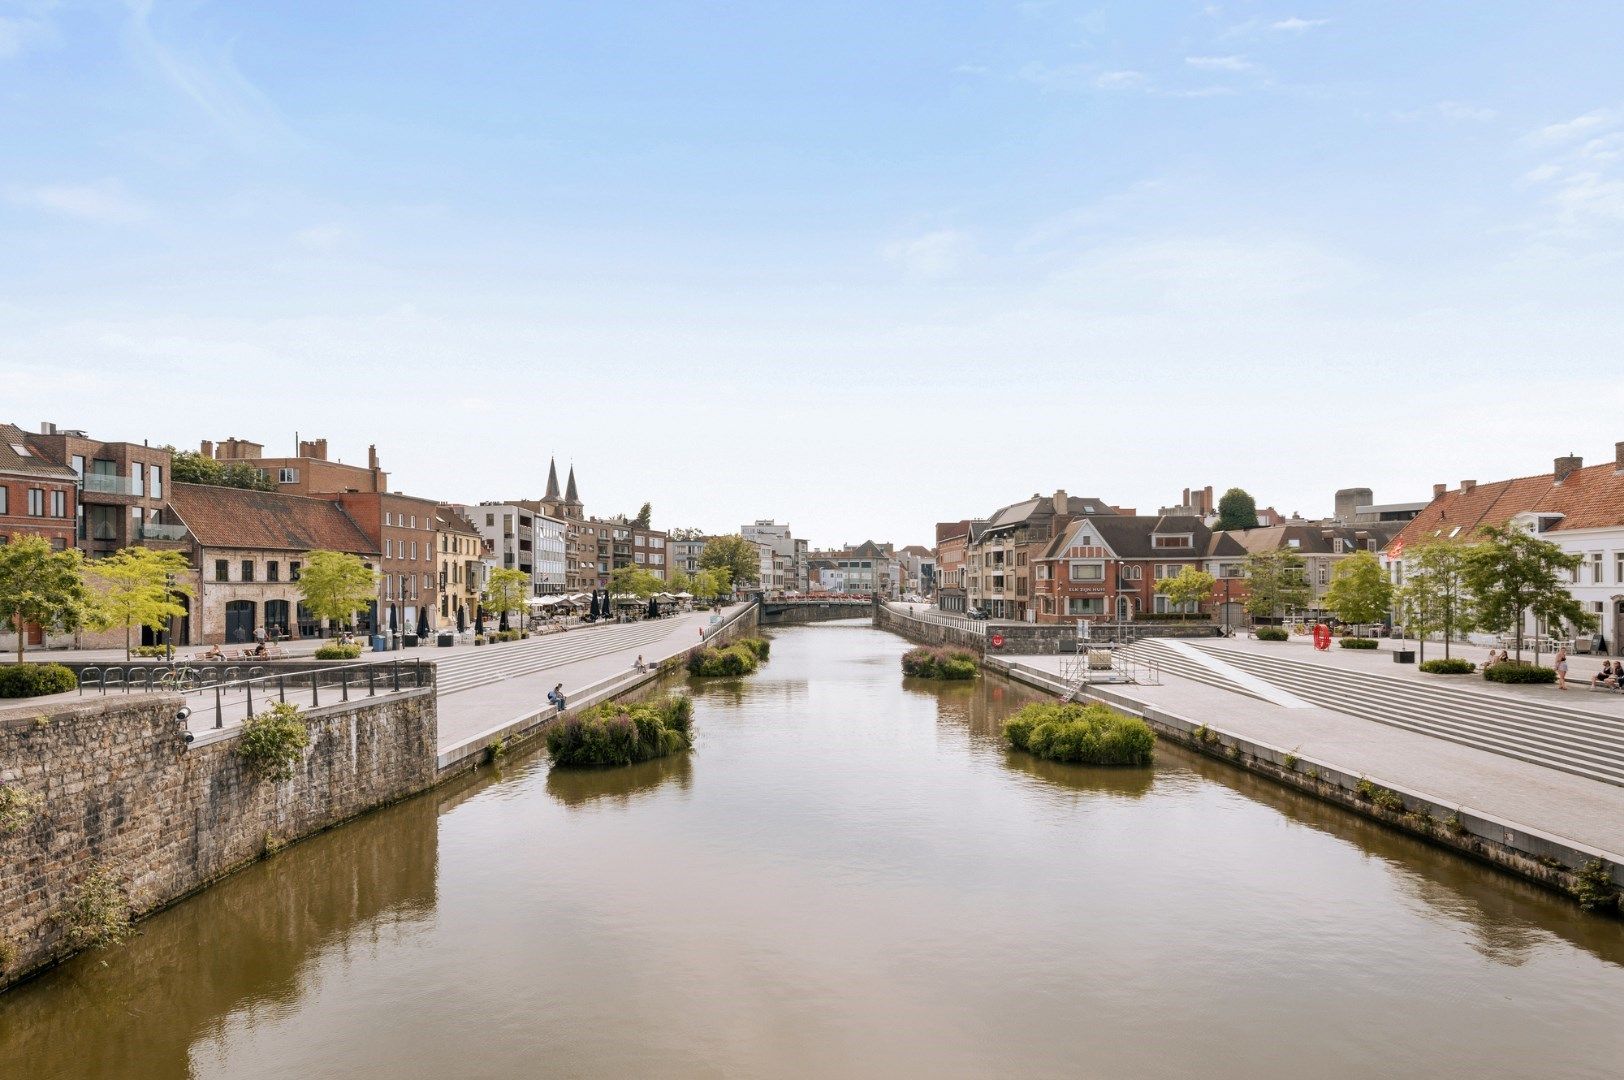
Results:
<point x="409" y="640"/>
<point x="1583" y="644"/>
<point x="446" y="639"/>
<point x="1403" y="656"/>
<point x="380" y="643"/>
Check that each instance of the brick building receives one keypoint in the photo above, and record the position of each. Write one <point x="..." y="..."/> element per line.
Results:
<point x="248" y="547"/>
<point x="1105" y="567"/>
<point x="999" y="579"/>
<point x="122" y="490"/>
<point x="38" y="497"/>
<point x="594" y="548"/>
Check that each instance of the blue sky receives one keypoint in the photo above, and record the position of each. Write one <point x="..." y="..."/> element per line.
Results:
<point x="858" y="266"/>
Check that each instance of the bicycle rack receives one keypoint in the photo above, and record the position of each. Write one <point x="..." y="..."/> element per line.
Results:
<point x="85" y="677"/>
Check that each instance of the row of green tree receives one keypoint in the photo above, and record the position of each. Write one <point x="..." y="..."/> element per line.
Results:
<point x="1492" y="584"/>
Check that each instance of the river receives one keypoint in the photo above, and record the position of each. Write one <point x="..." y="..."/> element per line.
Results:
<point x="850" y="876"/>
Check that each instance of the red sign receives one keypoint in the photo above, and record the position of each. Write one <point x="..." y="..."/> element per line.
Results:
<point x="1322" y="637"/>
<point x="998" y="641"/>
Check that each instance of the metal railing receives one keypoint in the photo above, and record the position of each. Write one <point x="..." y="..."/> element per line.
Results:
<point x="113" y="484"/>
<point x="228" y="688"/>
<point x="157" y="531"/>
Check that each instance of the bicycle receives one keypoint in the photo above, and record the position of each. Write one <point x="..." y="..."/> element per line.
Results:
<point x="179" y="679"/>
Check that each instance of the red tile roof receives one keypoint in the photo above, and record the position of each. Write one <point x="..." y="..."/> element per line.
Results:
<point x="1590" y="498"/>
<point x="222" y="517"/>
<point x="18" y="459"/>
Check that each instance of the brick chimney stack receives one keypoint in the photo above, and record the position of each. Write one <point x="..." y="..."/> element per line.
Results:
<point x="1468" y="485"/>
<point x="206" y="449"/>
<point x="1438" y="490"/>
<point x="372" y="457"/>
<point x="1567" y="466"/>
<point x="1060" y="501"/>
<point x="1618" y="456"/>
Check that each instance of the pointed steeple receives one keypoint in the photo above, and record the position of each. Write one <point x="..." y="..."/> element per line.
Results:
<point x="569" y="491"/>
<point x="552" y="480"/>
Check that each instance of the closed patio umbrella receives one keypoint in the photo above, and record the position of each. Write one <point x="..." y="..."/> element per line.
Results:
<point x="503" y="624"/>
<point x="422" y="623"/>
<point x="394" y="622"/>
<point x="479" y="620"/>
<point x="595" y="612"/>
<point x="462" y="618"/>
<point x="653" y="608"/>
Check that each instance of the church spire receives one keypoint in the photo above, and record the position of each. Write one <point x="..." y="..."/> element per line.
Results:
<point x="569" y="491"/>
<point x="552" y="480"/>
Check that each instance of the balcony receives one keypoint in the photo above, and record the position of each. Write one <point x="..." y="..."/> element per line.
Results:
<point x="153" y="531"/>
<point x="106" y="484"/>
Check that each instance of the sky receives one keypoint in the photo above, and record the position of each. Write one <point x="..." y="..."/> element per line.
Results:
<point x="859" y="267"/>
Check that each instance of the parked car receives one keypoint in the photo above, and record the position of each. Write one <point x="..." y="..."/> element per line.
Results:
<point x="976" y="613"/>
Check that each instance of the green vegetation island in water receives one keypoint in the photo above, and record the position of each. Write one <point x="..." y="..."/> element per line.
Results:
<point x="928" y="663"/>
<point x="743" y="657"/>
<point x="621" y="733"/>
<point x="1086" y="734"/>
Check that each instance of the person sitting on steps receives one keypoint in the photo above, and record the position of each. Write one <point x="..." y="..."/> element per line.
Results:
<point x="1606" y="677"/>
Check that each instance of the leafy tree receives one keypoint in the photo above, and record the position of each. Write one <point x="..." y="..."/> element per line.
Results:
<point x="710" y="584"/>
<point x="734" y="554"/>
<point x="506" y="591"/>
<point x="636" y="581"/>
<point x="336" y="585"/>
<point x="1434" y="597"/>
<point x="678" y="581"/>
<point x="1190" y="586"/>
<point x="1276" y="583"/>
<point x="1512" y="573"/>
<point x="137" y="586"/>
<point x="1360" y="591"/>
<point x="644" y="516"/>
<point x="1237" y="510"/>
<point x="191" y="467"/>
<point x="39" y="585"/>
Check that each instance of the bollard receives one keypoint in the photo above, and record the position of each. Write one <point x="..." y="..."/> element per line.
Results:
<point x="372" y="689"/>
<point x="282" y="687"/>
<point x="219" y="713"/>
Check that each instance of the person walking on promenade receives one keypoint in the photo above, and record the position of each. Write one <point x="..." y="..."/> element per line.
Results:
<point x="1561" y="669"/>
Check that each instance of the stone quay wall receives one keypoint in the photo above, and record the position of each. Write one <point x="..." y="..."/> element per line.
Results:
<point x="112" y="784"/>
<point x="930" y="632"/>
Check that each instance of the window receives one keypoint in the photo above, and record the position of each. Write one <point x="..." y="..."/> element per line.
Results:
<point x="490" y="520"/>
<point x="293" y="571"/>
<point x="5" y="500"/>
<point x="248" y="569"/>
<point x="1171" y="541"/>
<point x="222" y="570"/>
<point x="155" y="482"/>
<point x="1166" y="570"/>
<point x="1133" y="573"/>
<point x="1092" y="605"/>
<point x="413" y="525"/>
<point x="389" y="549"/>
<point x="36" y="502"/>
<point x="138" y="516"/>
<point x="414" y="550"/>
<point x="1041" y="572"/>
<point x="79" y="465"/>
<point x="1294" y="543"/>
<point x="1324" y="574"/>
<point x="1089" y="571"/>
<point x="103" y="522"/>
<point x="1618" y="567"/>
<point x="273" y="571"/>
<point x="287" y="476"/>
<point x="1595" y="568"/>
<point x="138" y="478"/>
<point x="59" y="504"/>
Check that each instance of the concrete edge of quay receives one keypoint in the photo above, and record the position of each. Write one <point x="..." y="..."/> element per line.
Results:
<point x="528" y="726"/>
<point x="1538" y="856"/>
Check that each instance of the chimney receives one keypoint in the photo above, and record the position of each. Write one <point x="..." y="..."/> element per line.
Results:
<point x="1438" y="490"/>
<point x="1567" y="466"/>
<point x="47" y="429"/>
<point x="206" y="448"/>
<point x="1618" y="456"/>
<point x="372" y="457"/>
<point x="1060" y="501"/>
<point x="1468" y="485"/>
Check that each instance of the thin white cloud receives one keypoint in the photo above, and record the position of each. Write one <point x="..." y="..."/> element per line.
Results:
<point x="1568" y="130"/>
<point x="1120" y="80"/>
<point x="936" y="254"/>
<point x="1220" y="63"/>
<point x="324" y="237"/>
<point x="209" y="78"/>
<point x="104" y="202"/>
<point x="1297" y="25"/>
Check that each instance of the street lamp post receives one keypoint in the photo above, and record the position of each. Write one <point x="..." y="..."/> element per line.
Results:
<point x="169" y="636"/>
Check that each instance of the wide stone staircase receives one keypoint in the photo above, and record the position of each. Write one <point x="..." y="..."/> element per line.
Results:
<point x="1570" y="740"/>
<point x="510" y="659"/>
<point x="1167" y="660"/>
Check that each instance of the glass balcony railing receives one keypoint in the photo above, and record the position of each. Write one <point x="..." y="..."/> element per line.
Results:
<point x="105" y="484"/>
<point x="152" y="531"/>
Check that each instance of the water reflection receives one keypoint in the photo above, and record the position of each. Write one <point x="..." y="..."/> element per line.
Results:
<point x="619" y="787"/>
<point x="246" y="944"/>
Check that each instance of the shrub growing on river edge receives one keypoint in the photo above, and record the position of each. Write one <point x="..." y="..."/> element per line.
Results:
<point x="620" y="733"/>
<point x="272" y="742"/>
<point x="1088" y="734"/>
<point x="927" y="663"/>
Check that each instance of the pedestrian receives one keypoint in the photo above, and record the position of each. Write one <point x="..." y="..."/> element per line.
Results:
<point x="640" y="665"/>
<point x="1604" y="677"/>
<point x="557" y="696"/>
<point x="259" y="635"/>
<point x="1561" y="669"/>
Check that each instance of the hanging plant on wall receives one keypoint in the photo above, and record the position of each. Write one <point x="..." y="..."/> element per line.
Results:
<point x="272" y="742"/>
<point x="99" y="913"/>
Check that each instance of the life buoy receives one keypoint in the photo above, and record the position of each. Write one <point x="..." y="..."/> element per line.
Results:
<point x="998" y="641"/>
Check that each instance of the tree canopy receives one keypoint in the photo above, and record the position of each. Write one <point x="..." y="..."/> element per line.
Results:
<point x="1512" y="573"/>
<point x="734" y="554"/>
<point x="42" y="586"/>
<point x="1190" y="586"/>
<point x="336" y="585"/>
<point x="635" y="580"/>
<point x="1237" y="510"/>
<point x="710" y="584"/>
<point x="191" y="467"/>
<point x="1434" y="598"/>
<point x="1360" y="591"/>
<point x="507" y="590"/>
<point x="1276" y="583"/>
<point x="137" y="586"/>
<point x="644" y="516"/>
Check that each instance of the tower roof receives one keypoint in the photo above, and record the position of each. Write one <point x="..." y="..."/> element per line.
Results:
<point x="552" y="480"/>
<point x="569" y="490"/>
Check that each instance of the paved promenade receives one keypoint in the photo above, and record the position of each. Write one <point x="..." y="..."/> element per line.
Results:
<point x="1580" y="809"/>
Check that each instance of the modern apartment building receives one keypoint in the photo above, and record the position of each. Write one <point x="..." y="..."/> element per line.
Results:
<point x="122" y="490"/>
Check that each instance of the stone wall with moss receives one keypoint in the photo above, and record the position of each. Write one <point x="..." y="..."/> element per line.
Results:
<point x="109" y="790"/>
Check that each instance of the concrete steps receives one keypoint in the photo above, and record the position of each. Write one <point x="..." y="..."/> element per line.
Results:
<point x="1173" y="662"/>
<point x="1572" y="741"/>
<point x="511" y="659"/>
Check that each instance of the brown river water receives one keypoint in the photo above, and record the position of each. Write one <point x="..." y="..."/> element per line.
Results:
<point x="850" y="876"/>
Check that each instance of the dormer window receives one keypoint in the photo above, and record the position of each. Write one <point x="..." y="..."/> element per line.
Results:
<point x="1166" y="540"/>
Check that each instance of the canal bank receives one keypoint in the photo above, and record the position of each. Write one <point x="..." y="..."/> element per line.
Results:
<point x="849" y="876"/>
<point x="1539" y="824"/>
